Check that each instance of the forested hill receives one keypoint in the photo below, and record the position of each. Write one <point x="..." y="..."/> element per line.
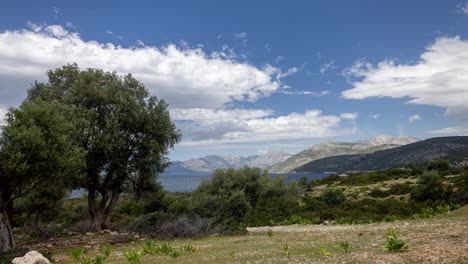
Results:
<point x="452" y="148"/>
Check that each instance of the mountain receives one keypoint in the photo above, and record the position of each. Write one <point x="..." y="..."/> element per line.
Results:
<point x="452" y="148"/>
<point x="328" y="149"/>
<point x="213" y="162"/>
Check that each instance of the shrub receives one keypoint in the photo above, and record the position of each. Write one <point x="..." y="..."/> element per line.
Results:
<point x="430" y="187"/>
<point x="333" y="196"/>
<point x="159" y="225"/>
<point x="378" y="193"/>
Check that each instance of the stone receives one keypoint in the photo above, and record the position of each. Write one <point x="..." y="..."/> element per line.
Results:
<point x="136" y="236"/>
<point x="142" y="239"/>
<point x="71" y="233"/>
<point x="455" y="235"/>
<point x="374" y="245"/>
<point x="49" y="246"/>
<point x="106" y="231"/>
<point x="32" y="257"/>
<point x="89" y="234"/>
<point x="87" y="246"/>
<point x="114" y="233"/>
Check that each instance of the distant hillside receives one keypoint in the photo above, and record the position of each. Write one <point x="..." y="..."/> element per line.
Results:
<point x="328" y="149"/>
<point x="429" y="149"/>
<point x="213" y="162"/>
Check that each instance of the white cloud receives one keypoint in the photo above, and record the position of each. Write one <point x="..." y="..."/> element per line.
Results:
<point x="279" y="58"/>
<point x="322" y="93"/>
<point x="463" y="8"/>
<point x="413" y="118"/>
<point x="439" y="78"/>
<point x="375" y="116"/>
<point x="240" y="35"/>
<point x="186" y="78"/>
<point x="56" y="10"/>
<point x="3" y="112"/>
<point x="327" y="66"/>
<point x="236" y="126"/>
<point x="450" y="131"/>
<point x="350" y="116"/>
<point x="218" y="114"/>
<point x="140" y="43"/>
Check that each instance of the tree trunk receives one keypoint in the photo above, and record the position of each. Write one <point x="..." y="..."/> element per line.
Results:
<point x="7" y="241"/>
<point x="95" y="211"/>
<point x="101" y="213"/>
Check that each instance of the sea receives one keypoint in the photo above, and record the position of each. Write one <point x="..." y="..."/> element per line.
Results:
<point x="188" y="182"/>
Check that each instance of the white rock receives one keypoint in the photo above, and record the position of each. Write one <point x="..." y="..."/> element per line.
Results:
<point x="32" y="257"/>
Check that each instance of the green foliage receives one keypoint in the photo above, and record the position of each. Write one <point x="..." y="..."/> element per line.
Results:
<point x="333" y="196"/>
<point x="77" y="253"/>
<point x="324" y="252"/>
<point x="345" y="246"/>
<point x="106" y="250"/>
<point x="344" y="221"/>
<point x="439" y="165"/>
<point x="189" y="249"/>
<point x="286" y="249"/>
<point x="269" y="233"/>
<point x="394" y="244"/>
<point x="124" y="133"/>
<point x="133" y="256"/>
<point x="429" y="187"/>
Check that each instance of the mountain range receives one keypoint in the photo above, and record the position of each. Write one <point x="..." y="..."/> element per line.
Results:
<point x="212" y="162"/>
<point x="279" y="161"/>
<point x="451" y="148"/>
<point x="329" y="149"/>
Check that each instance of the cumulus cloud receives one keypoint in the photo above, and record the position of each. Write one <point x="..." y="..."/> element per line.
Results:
<point x="350" y="116"/>
<point x="413" y="118"/>
<point x="257" y="126"/>
<point x="375" y="116"/>
<point x="184" y="77"/>
<point x="322" y="93"/>
<point x="439" y="78"/>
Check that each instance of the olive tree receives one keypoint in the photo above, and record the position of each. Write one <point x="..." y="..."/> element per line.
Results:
<point x="124" y="132"/>
<point x="35" y="150"/>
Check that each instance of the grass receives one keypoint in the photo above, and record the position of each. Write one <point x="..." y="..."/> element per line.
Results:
<point x="434" y="240"/>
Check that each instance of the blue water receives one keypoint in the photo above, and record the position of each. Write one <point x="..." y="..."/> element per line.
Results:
<point x="188" y="182"/>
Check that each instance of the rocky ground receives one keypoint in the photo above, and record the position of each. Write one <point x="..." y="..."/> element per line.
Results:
<point x="441" y="239"/>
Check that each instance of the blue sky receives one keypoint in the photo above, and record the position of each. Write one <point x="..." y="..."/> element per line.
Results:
<point x="243" y="78"/>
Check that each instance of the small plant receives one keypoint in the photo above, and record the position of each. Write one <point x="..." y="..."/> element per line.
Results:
<point x="165" y="249"/>
<point x="286" y="249"/>
<point x="392" y="232"/>
<point x="106" y="250"/>
<point x="86" y="260"/>
<point x="394" y="244"/>
<point x="76" y="253"/>
<point x="174" y="254"/>
<point x="99" y="260"/>
<point x="232" y="253"/>
<point x="188" y="249"/>
<point x="324" y="252"/>
<point x="133" y="256"/>
<point x="270" y="233"/>
<point x="345" y="246"/>
<point x="150" y="247"/>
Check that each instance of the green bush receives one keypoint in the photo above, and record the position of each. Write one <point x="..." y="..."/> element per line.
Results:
<point x="333" y="196"/>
